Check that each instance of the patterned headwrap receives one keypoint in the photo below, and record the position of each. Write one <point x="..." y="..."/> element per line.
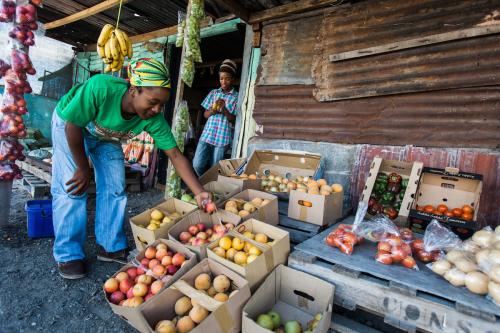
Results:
<point x="148" y="72"/>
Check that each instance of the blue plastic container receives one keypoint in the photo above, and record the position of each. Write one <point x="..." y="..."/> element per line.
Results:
<point x="39" y="218"/>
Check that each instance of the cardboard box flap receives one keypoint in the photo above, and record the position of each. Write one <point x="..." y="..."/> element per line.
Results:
<point x="283" y="162"/>
<point x="223" y="167"/>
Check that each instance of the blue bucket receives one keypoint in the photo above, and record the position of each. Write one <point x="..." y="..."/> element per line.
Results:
<point x="39" y="218"/>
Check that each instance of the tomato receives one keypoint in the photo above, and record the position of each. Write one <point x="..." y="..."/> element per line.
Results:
<point x="350" y="238"/>
<point x="406" y="234"/>
<point x="384" y="258"/>
<point x="424" y="256"/>
<point x="384" y="246"/>
<point x="406" y="248"/>
<point x="457" y="212"/>
<point x="429" y="209"/>
<point x="467" y="216"/>
<point x="417" y="245"/>
<point x="394" y="240"/>
<point x="467" y="209"/>
<point x="346" y="248"/>
<point x="397" y="253"/>
<point x="330" y="240"/>
<point x="338" y="242"/>
<point x="442" y="208"/>
<point x="449" y="214"/>
<point x="435" y="255"/>
<point x="409" y="262"/>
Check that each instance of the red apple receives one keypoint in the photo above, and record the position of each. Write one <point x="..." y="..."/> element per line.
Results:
<point x="201" y="226"/>
<point x="140" y="289"/>
<point x="199" y="242"/>
<point x="156" y="287"/>
<point x="161" y="253"/>
<point x="153" y="263"/>
<point x="130" y="293"/>
<point x="209" y="232"/>
<point x="159" y="270"/>
<point x="141" y="271"/>
<point x="172" y="269"/>
<point x="202" y="235"/>
<point x="132" y="272"/>
<point x="184" y="236"/>
<point x="150" y="252"/>
<point x="111" y="285"/>
<point x="167" y="260"/>
<point x="178" y="259"/>
<point x="125" y="285"/>
<point x="116" y="297"/>
<point x="145" y="262"/>
<point x="219" y="228"/>
<point x="121" y="276"/>
<point x="193" y="230"/>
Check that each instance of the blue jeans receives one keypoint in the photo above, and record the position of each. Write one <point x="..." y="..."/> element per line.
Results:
<point x="206" y="156"/>
<point x="69" y="212"/>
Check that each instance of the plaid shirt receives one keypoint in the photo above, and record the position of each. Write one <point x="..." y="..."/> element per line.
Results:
<point x="218" y="130"/>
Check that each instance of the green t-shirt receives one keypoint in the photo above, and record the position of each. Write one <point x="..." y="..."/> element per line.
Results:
<point x="96" y="106"/>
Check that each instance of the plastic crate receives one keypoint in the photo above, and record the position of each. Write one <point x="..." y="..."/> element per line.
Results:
<point x="39" y="218"/>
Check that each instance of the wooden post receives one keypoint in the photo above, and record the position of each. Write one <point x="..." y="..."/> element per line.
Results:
<point x="179" y="93"/>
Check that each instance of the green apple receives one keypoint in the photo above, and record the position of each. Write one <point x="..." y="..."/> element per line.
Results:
<point x="293" y="326"/>
<point x="265" y="320"/>
<point x="275" y="316"/>
<point x="186" y="198"/>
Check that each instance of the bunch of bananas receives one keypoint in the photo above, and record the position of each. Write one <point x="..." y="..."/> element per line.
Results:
<point x="113" y="46"/>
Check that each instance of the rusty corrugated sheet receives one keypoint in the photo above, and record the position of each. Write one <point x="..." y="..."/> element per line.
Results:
<point x="462" y="63"/>
<point x="468" y="117"/>
<point x="287" y="51"/>
<point x="485" y="163"/>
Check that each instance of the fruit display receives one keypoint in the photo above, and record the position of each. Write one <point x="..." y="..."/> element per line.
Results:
<point x="113" y="45"/>
<point x="474" y="264"/>
<point x="238" y="250"/>
<point x="276" y="183"/>
<point x="387" y="194"/>
<point x="200" y="234"/>
<point x="188" y="315"/>
<point x="7" y="10"/>
<point x="218" y="287"/>
<point x="343" y="238"/>
<point x="159" y="219"/>
<point x="243" y="208"/>
<point x="273" y="322"/>
<point x="466" y="212"/>
<point x="11" y="150"/>
<point x="135" y="285"/>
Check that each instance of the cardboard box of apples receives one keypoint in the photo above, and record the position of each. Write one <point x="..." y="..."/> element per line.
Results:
<point x="209" y="298"/>
<point x="137" y="283"/>
<point x="198" y="229"/>
<point x="155" y="223"/>
<point x="254" y="204"/>
<point x="252" y="250"/>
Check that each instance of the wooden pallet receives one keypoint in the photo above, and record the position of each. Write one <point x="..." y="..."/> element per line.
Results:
<point x="38" y="188"/>
<point x="407" y="299"/>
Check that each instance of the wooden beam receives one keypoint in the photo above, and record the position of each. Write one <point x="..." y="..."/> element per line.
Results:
<point x="235" y="8"/>
<point x="417" y="42"/>
<point x="165" y="32"/>
<point x="105" y="5"/>
<point x="70" y="7"/>
<point x="291" y="8"/>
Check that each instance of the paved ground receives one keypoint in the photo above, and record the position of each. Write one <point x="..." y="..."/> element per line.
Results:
<point x="35" y="299"/>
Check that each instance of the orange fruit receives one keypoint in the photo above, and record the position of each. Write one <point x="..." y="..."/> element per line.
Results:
<point x="467" y="216"/>
<point x="429" y="209"/>
<point x="457" y="212"/>
<point x="442" y="208"/>
<point x="467" y="209"/>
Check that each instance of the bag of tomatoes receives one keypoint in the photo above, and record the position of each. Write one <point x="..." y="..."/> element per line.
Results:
<point x="344" y="237"/>
<point x="437" y="239"/>
<point x="391" y="247"/>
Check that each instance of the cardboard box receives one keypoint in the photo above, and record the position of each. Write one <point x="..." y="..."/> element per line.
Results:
<point x="281" y="238"/>
<point x="295" y="296"/>
<point x="407" y="170"/>
<point x="143" y="236"/>
<point x="256" y="271"/>
<point x="450" y="187"/>
<point x="243" y="184"/>
<point x="316" y="208"/>
<point x="201" y="217"/>
<point x="224" y="317"/>
<point x="133" y="315"/>
<point x="268" y="213"/>
<point x="223" y="167"/>
<point x="222" y="190"/>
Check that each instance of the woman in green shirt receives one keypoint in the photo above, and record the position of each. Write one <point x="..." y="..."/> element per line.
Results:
<point x="91" y="120"/>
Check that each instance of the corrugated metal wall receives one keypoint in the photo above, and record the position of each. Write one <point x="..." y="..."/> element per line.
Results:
<point x="293" y="54"/>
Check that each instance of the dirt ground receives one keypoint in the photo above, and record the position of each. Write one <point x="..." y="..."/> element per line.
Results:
<point x="35" y="298"/>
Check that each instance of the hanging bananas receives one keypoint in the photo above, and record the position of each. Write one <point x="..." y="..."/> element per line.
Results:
<point x="113" y="46"/>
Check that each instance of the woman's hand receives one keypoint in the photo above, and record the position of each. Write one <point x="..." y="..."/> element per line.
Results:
<point x="203" y="198"/>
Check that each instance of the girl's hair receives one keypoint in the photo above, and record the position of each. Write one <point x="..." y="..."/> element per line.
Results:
<point x="228" y="66"/>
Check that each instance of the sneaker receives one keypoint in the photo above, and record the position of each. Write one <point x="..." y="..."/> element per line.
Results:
<point x="120" y="257"/>
<point x="72" y="270"/>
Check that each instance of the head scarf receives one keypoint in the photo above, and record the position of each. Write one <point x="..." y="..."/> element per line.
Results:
<point x="148" y="72"/>
<point x="228" y="66"/>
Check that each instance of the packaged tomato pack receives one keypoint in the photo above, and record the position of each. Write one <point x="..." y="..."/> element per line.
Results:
<point x="437" y="239"/>
<point x="9" y="172"/>
<point x="11" y="150"/>
<point x="344" y="237"/>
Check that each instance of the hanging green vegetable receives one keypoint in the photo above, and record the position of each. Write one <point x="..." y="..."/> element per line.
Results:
<point x="187" y="71"/>
<point x="198" y="9"/>
<point x="180" y="128"/>
<point x="181" y="26"/>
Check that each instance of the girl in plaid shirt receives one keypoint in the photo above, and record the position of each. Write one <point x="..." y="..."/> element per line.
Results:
<point x="220" y="110"/>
